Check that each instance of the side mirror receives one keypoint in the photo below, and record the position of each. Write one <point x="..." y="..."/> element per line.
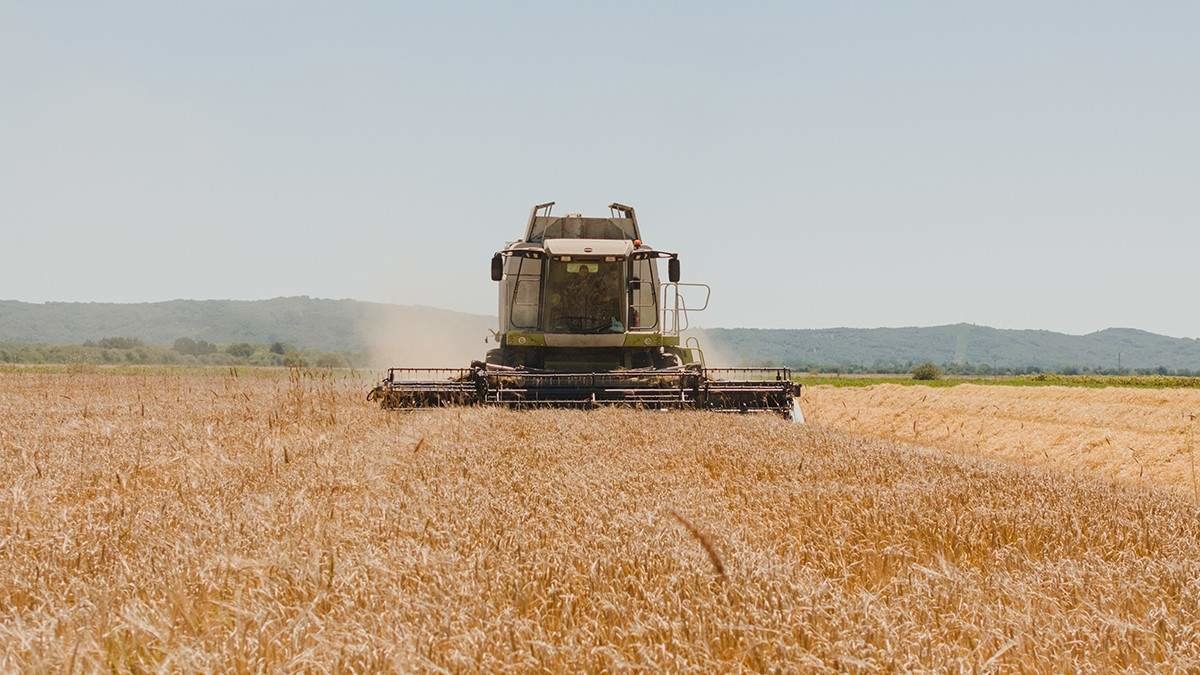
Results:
<point x="673" y="270"/>
<point x="497" y="267"/>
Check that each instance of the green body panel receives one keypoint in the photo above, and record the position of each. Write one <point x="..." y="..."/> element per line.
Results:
<point x="685" y="355"/>
<point x="518" y="339"/>
<point x="632" y="340"/>
<point x="643" y="340"/>
<point x="636" y="350"/>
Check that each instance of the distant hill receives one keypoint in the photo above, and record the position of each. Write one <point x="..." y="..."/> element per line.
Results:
<point x="388" y="332"/>
<point x="896" y="349"/>
<point x="413" y="335"/>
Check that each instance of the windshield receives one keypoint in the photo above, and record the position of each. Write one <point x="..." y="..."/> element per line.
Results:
<point x="584" y="296"/>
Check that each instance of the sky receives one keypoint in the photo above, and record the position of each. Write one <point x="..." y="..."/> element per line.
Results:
<point x="1018" y="165"/>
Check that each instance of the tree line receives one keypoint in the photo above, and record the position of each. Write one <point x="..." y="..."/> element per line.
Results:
<point x="184" y="351"/>
<point x="971" y="369"/>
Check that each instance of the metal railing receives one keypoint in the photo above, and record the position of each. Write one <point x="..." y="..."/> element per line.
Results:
<point x="674" y="306"/>
<point x="427" y="374"/>
<point x="693" y="345"/>
<point x="760" y="375"/>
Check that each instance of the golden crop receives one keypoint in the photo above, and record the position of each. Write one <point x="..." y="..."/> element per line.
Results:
<point x="1134" y="435"/>
<point x="223" y="523"/>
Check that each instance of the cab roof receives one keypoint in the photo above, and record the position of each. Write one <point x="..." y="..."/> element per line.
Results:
<point x="543" y="228"/>
<point x="622" y="223"/>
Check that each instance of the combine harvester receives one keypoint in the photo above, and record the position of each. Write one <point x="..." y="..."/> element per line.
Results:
<point x="585" y="321"/>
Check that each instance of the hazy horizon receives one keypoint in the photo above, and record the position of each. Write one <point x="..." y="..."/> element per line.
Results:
<point x="1026" y="166"/>
<point x="696" y="326"/>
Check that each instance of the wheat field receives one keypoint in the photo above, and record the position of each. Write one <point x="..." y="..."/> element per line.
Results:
<point x="1146" y="436"/>
<point x="185" y="522"/>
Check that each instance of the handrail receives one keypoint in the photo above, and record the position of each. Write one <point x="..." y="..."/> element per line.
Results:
<point x="693" y="344"/>
<point x="672" y="310"/>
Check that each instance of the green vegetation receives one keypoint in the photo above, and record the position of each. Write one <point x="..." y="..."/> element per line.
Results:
<point x="194" y="347"/>
<point x="115" y="343"/>
<point x="927" y="371"/>
<point x="340" y="326"/>
<point x="244" y="332"/>
<point x="1038" y="380"/>
<point x="962" y="349"/>
<point x="240" y="350"/>
<point x="362" y="375"/>
<point x="183" y="352"/>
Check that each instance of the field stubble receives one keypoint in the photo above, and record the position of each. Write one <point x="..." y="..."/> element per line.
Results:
<point x="220" y="523"/>
<point x="1146" y="436"/>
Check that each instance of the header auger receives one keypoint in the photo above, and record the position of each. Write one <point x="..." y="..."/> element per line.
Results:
<point x="586" y="321"/>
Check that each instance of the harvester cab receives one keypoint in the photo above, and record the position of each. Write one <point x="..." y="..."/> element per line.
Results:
<point x="585" y="320"/>
<point x="584" y="293"/>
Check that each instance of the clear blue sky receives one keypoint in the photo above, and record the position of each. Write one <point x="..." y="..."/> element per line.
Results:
<point x="1030" y="165"/>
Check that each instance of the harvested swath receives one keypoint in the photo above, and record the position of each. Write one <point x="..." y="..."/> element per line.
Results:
<point x="1134" y="435"/>
<point x="180" y="539"/>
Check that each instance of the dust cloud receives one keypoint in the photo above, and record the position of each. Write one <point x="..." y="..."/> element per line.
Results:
<point x="423" y="337"/>
<point x="715" y="356"/>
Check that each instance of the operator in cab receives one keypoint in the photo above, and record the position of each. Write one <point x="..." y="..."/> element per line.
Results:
<point x="585" y="297"/>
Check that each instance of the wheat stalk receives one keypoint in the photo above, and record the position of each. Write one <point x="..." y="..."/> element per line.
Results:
<point x="491" y="540"/>
<point x="705" y="542"/>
